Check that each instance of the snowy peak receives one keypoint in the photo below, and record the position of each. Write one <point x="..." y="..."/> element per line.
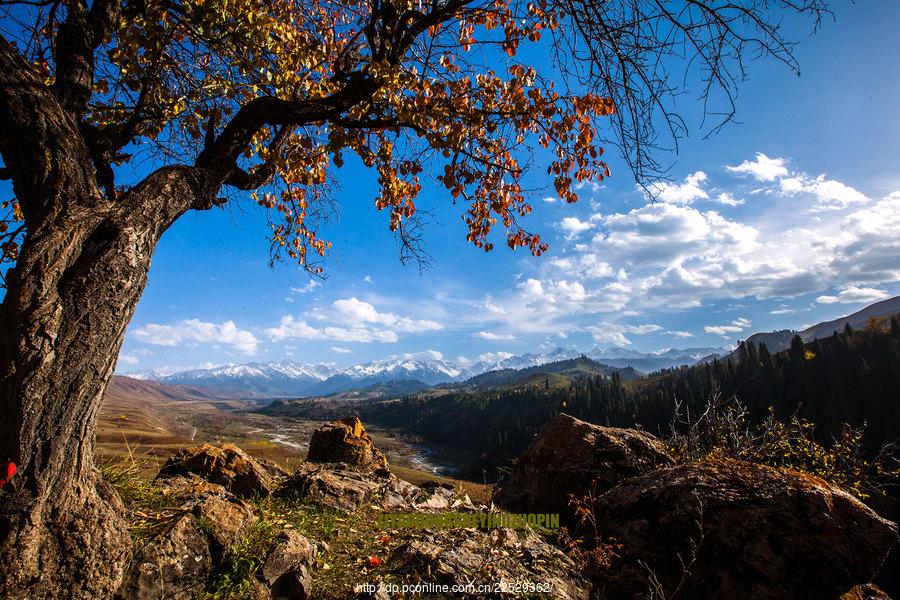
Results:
<point x="286" y="378"/>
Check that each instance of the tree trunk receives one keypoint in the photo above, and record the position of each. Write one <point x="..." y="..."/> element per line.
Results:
<point x="70" y="297"/>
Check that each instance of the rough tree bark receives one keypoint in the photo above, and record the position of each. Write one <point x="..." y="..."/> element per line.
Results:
<point x="75" y="286"/>
<point x="80" y="273"/>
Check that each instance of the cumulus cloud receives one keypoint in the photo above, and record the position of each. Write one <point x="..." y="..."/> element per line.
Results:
<point x="355" y="311"/>
<point x="829" y="194"/>
<point x="128" y="359"/>
<point x="735" y="326"/>
<point x="490" y="336"/>
<point x="614" y="333"/>
<point x="682" y="193"/>
<point x="197" y="331"/>
<point x="762" y="168"/>
<point x="680" y="334"/>
<point x="679" y="255"/>
<point x="350" y="320"/>
<point x="307" y="288"/>
<point x="728" y="200"/>
<point x="290" y="327"/>
<point x="494" y="357"/>
<point x="573" y="226"/>
<point x="854" y="294"/>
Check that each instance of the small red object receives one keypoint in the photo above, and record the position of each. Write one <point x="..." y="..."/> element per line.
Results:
<point x="10" y="471"/>
<point x="374" y="561"/>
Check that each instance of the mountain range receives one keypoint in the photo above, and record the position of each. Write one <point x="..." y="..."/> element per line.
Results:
<point x="293" y="379"/>
<point x="285" y="378"/>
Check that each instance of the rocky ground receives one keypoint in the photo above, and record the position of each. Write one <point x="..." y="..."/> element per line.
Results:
<point x="219" y="524"/>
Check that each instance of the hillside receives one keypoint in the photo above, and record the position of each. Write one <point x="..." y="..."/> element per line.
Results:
<point x="569" y="370"/>
<point x="857" y="320"/>
<point x="776" y="341"/>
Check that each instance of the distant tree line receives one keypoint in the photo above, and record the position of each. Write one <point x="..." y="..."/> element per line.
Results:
<point x="851" y="377"/>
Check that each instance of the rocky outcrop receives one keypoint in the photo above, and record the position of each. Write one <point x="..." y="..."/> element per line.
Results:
<point x="497" y="558"/>
<point x="568" y="456"/>
<point x="174" y="564"/>
<point x="226" y="465"/>
<point x="345" y="441"/>
<point x="729" y="529"/>
<point x="346" y="488"/>
<point x="177" y="561"/>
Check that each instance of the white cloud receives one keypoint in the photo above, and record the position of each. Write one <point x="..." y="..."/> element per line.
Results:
<point x="853" y="295"/>
<point x="128" y="359"/>
<point x="762" y="168"/>
<point x="614" y="333"/>
<point x="340" y="350"/>
<point x="350" y="320"/>
<point x="728" y="200"/>
<point x="368" y="279"/>
<point x="573" y="226"/>
<point x="194" y="330"/>
<point x="682" y="193"/>
<point x="494" y="357"/>
<point x="680" y="334"/>
<point x="829" y="194"/>
<point x="549" y="199"/>
<point x="735" y="326"/>
<point x="355" y="311"/>
<point x="423" y="355"/>
<point x="490" y="336"/>
<point x="292" y="328"/>
<point x="305" y="289"/>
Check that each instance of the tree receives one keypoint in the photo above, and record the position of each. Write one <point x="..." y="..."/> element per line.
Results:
<point x="262" y="99"/>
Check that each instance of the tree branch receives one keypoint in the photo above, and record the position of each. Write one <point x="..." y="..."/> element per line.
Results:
<point x="77" y="39"/>
<point x="40" y="142"/>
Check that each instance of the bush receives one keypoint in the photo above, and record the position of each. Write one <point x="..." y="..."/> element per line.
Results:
<point x="724" y="430"/>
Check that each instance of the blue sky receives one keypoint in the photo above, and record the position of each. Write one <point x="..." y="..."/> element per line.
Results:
<point x="787" y="218"/>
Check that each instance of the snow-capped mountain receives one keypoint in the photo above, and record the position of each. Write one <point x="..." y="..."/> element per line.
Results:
<point x="274" y="377"/>
<point x="285" y="378"/>
<point x="428" y="371"/>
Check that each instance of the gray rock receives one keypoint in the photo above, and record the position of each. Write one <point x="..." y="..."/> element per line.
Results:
<point x="174" y="564"/>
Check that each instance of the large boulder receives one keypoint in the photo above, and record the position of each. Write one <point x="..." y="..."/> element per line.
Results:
<point x="568" y="457"/>
<point x="345" y="441"/>
<point x="226" y="465"/>
<point x="722" y="528"/>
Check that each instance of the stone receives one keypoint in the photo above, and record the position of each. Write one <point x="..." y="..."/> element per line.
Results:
<point x="568" y="457"/>
<point x="225" y="520"/>
<point x="345" y="441"/>
<point x="174" y="564"/>
<point x="511" y="556"/>
<point x="346" y="488"/>
<point x="744" y="531"/>
<point x="288" y="552"/>
<point x="226" y="465"/>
